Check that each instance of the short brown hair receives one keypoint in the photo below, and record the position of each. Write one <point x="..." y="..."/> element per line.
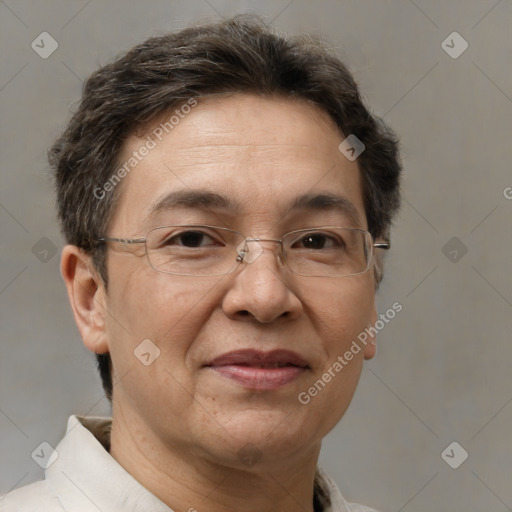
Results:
<point x="239" y="55"/>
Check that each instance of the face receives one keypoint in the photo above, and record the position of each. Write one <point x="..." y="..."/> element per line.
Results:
<point x="206" y="392"/>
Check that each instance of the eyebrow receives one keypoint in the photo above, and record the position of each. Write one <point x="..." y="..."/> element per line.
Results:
<point x="327" y="201"/>
<point x="211" y="200"/>
<point x="192" y="199"/>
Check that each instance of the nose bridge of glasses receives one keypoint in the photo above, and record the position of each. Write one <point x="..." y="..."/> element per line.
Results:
<point x="250" y="254"/>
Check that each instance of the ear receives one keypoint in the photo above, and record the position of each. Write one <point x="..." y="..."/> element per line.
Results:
<point x="87" y="296"/>
<point x="370" y="348"/>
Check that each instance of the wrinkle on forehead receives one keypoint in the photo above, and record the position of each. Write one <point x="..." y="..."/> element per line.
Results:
<point x="261" y="152"/>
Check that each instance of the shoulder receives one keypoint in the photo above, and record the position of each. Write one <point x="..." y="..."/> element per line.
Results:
<point x="36" y="497"/>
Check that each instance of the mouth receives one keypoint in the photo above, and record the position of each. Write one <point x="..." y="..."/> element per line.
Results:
<point x="260" y="370"/>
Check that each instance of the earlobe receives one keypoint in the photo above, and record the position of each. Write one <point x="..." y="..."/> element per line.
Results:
<point x="87" y="297"/>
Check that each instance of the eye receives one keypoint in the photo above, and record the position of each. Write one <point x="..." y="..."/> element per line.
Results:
<point x="190" y="239"/>
<point x="318" y="241"/>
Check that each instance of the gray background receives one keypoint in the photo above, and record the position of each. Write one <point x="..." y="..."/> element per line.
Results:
<point x="442" y="370"/>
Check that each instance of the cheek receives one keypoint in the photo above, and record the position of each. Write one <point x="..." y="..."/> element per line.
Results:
<point x="157" y="303"/>
<point x="170" y="311"/>
<point x="341" y="311"/>
<point x="339" y="316"/>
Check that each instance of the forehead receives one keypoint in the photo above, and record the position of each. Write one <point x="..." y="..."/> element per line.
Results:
<point x="262" y="154"/>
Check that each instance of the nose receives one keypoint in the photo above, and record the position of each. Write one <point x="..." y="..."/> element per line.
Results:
<point x="261" y="289"/>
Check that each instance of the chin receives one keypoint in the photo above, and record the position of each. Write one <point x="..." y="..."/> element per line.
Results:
<point x="275" y="432"/>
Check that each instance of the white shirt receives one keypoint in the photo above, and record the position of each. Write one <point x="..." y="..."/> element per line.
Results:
<point x="86" y="478"/>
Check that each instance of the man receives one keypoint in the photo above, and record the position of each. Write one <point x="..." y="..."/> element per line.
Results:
<point x="225" y="196"/>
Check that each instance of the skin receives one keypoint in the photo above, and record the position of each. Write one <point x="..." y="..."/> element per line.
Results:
<point x="178" y="427"/>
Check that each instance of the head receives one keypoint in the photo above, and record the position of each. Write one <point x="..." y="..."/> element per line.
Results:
<point x="254" y="119"/>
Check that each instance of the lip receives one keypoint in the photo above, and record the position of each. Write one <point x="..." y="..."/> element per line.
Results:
<point x="258" y="370"/>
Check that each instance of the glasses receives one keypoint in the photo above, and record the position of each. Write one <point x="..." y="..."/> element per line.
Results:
<point x="197" y="250"/>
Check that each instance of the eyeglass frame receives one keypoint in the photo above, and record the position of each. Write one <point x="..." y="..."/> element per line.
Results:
<point x="386" y="245"/>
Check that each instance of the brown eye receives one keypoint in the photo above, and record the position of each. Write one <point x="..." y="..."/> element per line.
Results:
<point x="317" y="241"/>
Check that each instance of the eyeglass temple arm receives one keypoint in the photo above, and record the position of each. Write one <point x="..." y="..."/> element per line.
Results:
<point x="382" y="245"/>
<point x="122" y="240"/>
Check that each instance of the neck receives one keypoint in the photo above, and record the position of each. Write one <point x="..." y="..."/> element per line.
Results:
<point x="190" y="481"/>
